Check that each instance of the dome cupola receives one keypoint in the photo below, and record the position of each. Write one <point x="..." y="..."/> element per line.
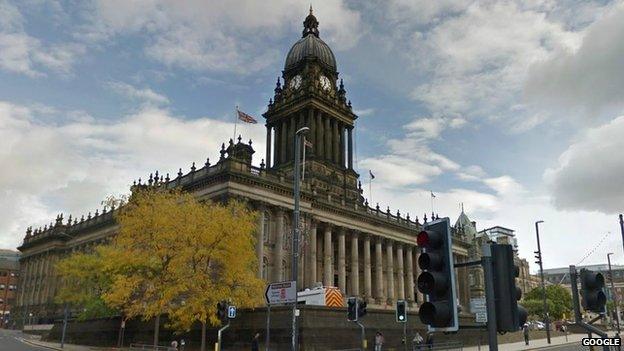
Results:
<point x="310" y="46"/>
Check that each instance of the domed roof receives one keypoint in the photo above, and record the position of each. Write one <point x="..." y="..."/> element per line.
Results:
<point x="310" y="45"/>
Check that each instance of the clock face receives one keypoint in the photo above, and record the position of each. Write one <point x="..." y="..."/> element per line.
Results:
<point x="295" y="82"/>
<point x="325" y="83"/>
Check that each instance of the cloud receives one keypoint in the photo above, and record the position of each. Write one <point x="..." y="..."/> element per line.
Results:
<point x="589" y="173"/>
<point x="470" y="58"/>
<point x="146" y="95"/>
<point x="71" y="165"/>
<point x="590" y="77"/>
<point x="218" y="36"/>
<point x="24" y="54"/>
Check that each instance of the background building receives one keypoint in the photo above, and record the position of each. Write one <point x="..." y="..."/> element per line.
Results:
<point x="9" y="277"/>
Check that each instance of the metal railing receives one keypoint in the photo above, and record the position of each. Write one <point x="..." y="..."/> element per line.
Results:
<point x="439" y="346"/>
<point x="151" y="347"/>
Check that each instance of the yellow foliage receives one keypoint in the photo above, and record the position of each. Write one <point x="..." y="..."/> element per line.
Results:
<point x="179" y="256"/>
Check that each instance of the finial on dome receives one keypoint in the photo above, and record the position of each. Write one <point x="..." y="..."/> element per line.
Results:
<point x="310" y="25"/>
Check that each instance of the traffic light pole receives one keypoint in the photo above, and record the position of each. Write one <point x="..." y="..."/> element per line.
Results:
<point x="539" y="252"/>
<point x="489" y="297"/>
<point x="219" y="335"/>
<point x="363" y="335"/>
<point x="578" y="319"/>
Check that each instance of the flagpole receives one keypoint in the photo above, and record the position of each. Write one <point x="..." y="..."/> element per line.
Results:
<point x="304" y="159"/>
<point x="235" y="123"/>
<point x="432" y="197"/>
<point x="370" y="189"/>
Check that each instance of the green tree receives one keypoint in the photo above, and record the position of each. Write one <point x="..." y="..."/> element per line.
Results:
<point x="558" y="299"/>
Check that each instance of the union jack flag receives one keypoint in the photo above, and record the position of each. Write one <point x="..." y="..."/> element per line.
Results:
<point x="245" y="117"/>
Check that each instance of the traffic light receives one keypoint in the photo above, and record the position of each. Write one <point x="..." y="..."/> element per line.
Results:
<point x="222" y="312"/>
<point x="401" y="311"/>
<point x="538" y="257"/>
<point x="361" y="310"/>
<point x="437" y="280"/>
<point x="506" y="293"/>
<point x="592" y="293"/>
<point x="352" y="309"/>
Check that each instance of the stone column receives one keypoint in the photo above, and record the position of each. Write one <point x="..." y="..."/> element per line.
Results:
<point x="350" y="147"/>
<point x="400" y="272"/>
<point x="290" y="141"/>
<point x="311" y="275"/>
<point x="312" y="133"/>
<point x="260" y="239"/>
<point x="390" y="270"/>
<point x="368" y="290"/>
<point x="342" y="266"/>
<point x="410" y="273"/>
<point x="341" y="131"/>
<point x="328" y="140"/>
<point x="283" y="132"/>
<point x="355" y="268"/>
<point x="328" y="269"/>
<point x="278" y="251"/>
<point x="319" y="145"/>
<point x="379" y="290"/>
<point x="268" y="147"/>
<point x="335" y="143"/>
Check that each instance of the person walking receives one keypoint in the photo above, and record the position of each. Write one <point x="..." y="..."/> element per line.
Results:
<point x="525" y="332"/>
<point x="418" y="342"/>
<point x="379" y="340"/>
<point x="174" y="345"/>
<point x="430" y="340"/>
<point x="255" y="342"/>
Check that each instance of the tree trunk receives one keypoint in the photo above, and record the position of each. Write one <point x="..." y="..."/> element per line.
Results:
<point x="203" y="338"/>
<point x="156" y="330"/>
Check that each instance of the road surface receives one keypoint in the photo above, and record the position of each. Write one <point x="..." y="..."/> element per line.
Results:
<point x="9" y="341"/>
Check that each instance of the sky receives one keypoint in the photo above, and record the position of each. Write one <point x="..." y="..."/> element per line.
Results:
<point x="513" y="108"/>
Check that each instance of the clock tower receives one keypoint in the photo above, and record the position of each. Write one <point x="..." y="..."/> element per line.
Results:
<point x="311" y="96"/>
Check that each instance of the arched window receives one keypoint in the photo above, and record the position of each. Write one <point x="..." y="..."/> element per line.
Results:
<point x="285" y="273"/>
<point x="265" y="268"/>
<point x="287" y="234"/>
<point x="266" y="226"/>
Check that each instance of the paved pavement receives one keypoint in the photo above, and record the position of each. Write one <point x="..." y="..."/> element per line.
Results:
<point x="14" y="340"/>
<point x="572" y="343"/>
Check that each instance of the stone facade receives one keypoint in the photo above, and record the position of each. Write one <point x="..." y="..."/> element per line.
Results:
<point x="362" y="249"/>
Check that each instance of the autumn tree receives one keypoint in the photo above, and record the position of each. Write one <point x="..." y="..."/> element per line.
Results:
<point x="84" y="283"/>
<point x="178" y="256"/>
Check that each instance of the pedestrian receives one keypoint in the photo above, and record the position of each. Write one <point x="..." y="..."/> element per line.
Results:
<point x="379" y="340"/>
<point x="182" y="344"/>
<point x="255" y="342"/>
<point x="430" y="340"/>
<point x="418" y="341"/>
<point x="525" y="332"/>
<point x="174" y="345"/>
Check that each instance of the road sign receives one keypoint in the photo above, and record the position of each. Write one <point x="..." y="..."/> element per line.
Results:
<point x="231" y="312"/>
<point x="478" y="307"/>
<point x="281" y="293"/>
<point x="481" y="317"/>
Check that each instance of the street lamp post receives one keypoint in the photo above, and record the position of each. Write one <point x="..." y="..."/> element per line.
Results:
<point x="295" y="238"/>
<point x="540" y="261"/>
<point x="614" y="297"/>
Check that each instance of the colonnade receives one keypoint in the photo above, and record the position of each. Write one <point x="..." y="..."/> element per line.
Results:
<point x="332" y="139"/>
<point x="359" y="263"/>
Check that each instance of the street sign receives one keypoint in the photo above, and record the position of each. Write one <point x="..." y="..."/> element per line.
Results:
<point x="281" y="293"/>
<point x="481" y="317"/>
<point x="231" y="312"/>
<point x="478" y="307"/>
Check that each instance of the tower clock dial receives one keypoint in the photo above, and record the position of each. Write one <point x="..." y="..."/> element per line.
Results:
<point x="325" y="83"/>
<point x="295" y="82"/>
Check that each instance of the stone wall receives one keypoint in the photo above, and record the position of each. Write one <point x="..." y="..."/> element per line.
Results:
<point x="320" y="329"/>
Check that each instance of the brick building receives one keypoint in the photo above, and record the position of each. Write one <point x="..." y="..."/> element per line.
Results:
<point x="9" y="276"/>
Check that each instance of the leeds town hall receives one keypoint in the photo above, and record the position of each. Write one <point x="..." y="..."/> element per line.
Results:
<point x="362" y="249"/>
